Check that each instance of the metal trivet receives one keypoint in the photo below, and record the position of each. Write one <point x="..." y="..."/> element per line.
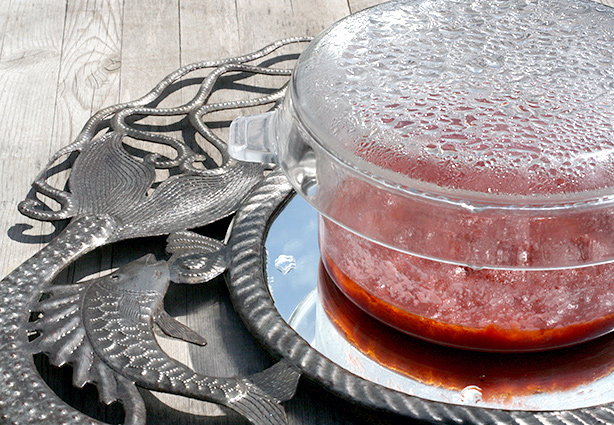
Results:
<point x="104" y="327"/>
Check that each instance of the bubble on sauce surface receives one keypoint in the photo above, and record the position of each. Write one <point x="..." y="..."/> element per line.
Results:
<point x="502" y="97"/>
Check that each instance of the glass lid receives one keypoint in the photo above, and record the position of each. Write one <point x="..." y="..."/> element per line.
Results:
<point x="495" y="101"/>
<point x="478" y="133"/>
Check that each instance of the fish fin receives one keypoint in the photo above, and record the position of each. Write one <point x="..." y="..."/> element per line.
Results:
<point x="106" y="383"/>
<point x="130" y="308"/>
<point x="134" y="407"/>
<point x="278" y="381"/>
<point x="175" y="329"/>
<point x="258" y="409"/>
<point x="83" y="365"/>
<point x="261" y="404"/>
<point x="57" y="328"/>
<point x="114" y="387"/>
<point x="195" y="258"/>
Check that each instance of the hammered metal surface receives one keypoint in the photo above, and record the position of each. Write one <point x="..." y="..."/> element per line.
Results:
<point x="253" y="302"/>
<point x="196" y="258"/>
<point x="104" y="329"/>
<point x="24" y="396"/>
<point x="113" y="196"/>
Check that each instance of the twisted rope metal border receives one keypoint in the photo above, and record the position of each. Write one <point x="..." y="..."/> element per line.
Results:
<point x="253" y="302"/>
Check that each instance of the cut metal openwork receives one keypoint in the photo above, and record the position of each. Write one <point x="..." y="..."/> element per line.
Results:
<point x="104" y="326"/>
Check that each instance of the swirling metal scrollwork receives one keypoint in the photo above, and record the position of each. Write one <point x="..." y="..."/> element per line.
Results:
<point x="103" y="327"/>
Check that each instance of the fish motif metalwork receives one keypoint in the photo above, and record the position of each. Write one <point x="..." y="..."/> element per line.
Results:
<point x="104" y="328"/>
<point x="195" y="258"/>
<point x="113" y="196"/>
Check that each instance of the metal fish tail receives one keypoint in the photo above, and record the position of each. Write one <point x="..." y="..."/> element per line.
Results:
<point x="256" y="397"/>
<point x="274" y="385"/>
<point x="119" y="316"/>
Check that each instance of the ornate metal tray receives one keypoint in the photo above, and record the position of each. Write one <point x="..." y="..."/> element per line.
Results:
<point x="104" y="327"/>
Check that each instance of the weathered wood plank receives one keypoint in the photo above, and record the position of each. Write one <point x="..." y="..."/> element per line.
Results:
<point x="357" y="5"/>
<point x="29" y="66"/>
<point x="261" y="22"/>
<point x="150" y="45"/>
<point x="89" y="72"/>
<point x="62" y="61"/>
<point x="202" y="36"/>
<point x="5" y="12"/>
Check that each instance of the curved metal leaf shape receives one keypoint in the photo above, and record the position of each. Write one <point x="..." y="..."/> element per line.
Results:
<point x="107" y="180"/>
<point x="195" y="258"/>
<point x="188" y="201"/>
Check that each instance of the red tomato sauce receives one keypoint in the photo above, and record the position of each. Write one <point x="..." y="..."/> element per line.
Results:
<point x="500" y="376"/>
<point x="487" y="309"/>
<point x="532" y="298"/>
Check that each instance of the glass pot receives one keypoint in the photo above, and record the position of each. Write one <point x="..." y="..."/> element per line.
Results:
<point x="461" y="156"/>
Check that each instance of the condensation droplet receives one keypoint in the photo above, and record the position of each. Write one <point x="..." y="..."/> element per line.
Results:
<point x="471" y="394"/>
<point x="285" y="263"/>
<point x="415" y="92"/>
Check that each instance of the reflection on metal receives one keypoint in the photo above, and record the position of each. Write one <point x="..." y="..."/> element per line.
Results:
<point x="196" y="258"/>
<point x="103" y="327"/>
<point x="248" y="289"/>
<point x="113" y="195"/>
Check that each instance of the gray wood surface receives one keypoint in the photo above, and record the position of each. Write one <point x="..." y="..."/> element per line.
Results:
<point x="61" y="61"/>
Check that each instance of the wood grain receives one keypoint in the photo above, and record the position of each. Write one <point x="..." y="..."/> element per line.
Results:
<point x="150" y="45"/>
<point x="358" y="5"/>
<point x="90" y="65"/>
<point x="29" y="69"/>
<point x="60" y="62"/>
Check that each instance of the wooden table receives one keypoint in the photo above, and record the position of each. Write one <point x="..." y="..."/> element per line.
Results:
<point x="60" y="62"/>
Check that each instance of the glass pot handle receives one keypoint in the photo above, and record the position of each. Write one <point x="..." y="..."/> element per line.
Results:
<point x="252" y="138"/>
